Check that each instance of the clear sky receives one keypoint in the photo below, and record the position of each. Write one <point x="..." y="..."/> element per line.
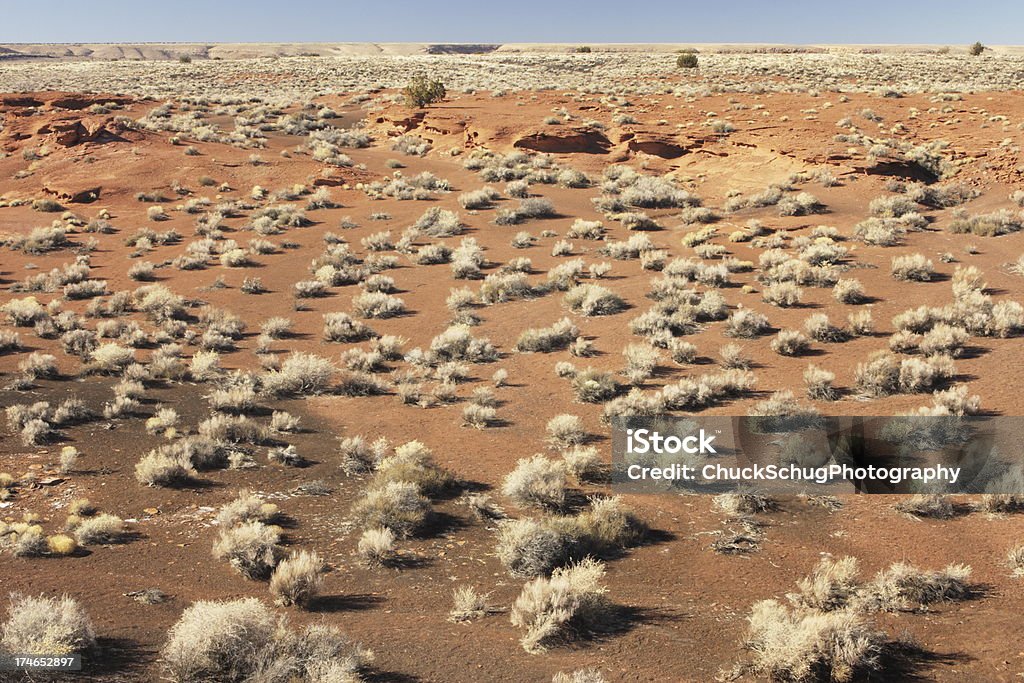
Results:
<point x="573" y="21"/>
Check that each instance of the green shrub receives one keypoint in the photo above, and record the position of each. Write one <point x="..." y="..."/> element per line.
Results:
<point x="423" y="91"/>
<point x="687" y="60"/>
<point x="976" y="49"/>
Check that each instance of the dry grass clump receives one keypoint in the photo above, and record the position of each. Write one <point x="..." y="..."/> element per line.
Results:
<point x="912" y="268"/>
<point x="252" y="548"/>
<point x="100" y="529"/>
<point x="848" y="291"/>
<point x="532" y="547"/>
<point x="782" y="294"/>
<point x="536" y="482"/>
<point x="164" y="467"/>
<point x="746" y="324"/>
<point x="820" y="328"/>
<point x="297" y="580"/>
<point x="247" y="507"/>
<point x="546" y="339"/>
<point x="528" y="547"/>
<point x="818" y="383"/>
<point x="603" y="529"/>
<point x="1015" y="561"/>
<point x="805" y="645"/>
<point x="593" y="300"/>
<point x="641" y="362"/>
<point x="46" y="626"/>
<point x="790" y="343"/>
<point x="469" y="605"/>
<point x="61" y="545"/>
<point x="933" y="505"/>
<point x="376" y="547"/>
<point x="1000" y="222"/>
<point x="594" y="386"/>
<point x="378" y="305"/>
<point x="341" y="327"/>
<point x="479" y="416"/>
<point x="397" y="505"/>
<point x="565" y="431"/>
<point x="301" y="374"/>
<point x="584" y="463"/>
<point x="24" y="539"/>
<point x="568" y="605"/>
<point x="411" y="462"/>
<point x="740" y="504"/>
<point x="580" y="675"/>
<point x="831" y="586"/>
<point x="243" y="640"/>
<point x="905" y="587"/>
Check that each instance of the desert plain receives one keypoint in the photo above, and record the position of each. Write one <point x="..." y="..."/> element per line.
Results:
<point x="272" y="332"/>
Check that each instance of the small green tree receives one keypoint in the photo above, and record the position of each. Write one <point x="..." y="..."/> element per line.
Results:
<point x="687" y="60"/>
<point x="977" y="48"/>
<point x="423" y="91"/>
<point x="583" y="49"/>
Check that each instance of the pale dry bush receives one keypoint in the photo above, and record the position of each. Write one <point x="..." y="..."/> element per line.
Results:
<point x="397" y="505"/>
<point x="301" y="374"/>
<point x="903" y="586"/>
<point x="806" y="645"/>
<point x="412" y="462"/>
<point x="165" y="419"/>
<point x="848" y="291"/>
<point x="732" y="356"/>
<point x="536" y="482"/>
<point x="741" y="504"/>
<point x="593" y="300"/>
<point x="820" y="328"/>
<point x="284" y="422"/>
<point x="912" y="267"/>
<point x="568" y="604"/>
<point x="100" y="529"/>
<point x="831" y="586"/>
<point x="376" y="547"/>
<point x="746" y="324"/>
<point x="247" y="507"/>
<point x="252" y="548"/>
<point x="205" y="366"/>
<point x="160" y="468"/>
<point x="565" y="430"/>
<point x="1015" y="561"/>
<point x="546" y="339"/>
<point x="378" y="305"/>
<point x="782" y="294"/>
<point x="790" y="343"/>
<point x="468" y="605"/>
<point x="46" y="626"/>
<point x="478" y="417"/>
<point x="927" y="505"/>
<point x="580" y="676"/>
<point x="243" y="640"/>
<point x="297" y="580"/>
<point x="818" y="382"/>
<point x="584" y="463"/>
<point x="528" y="547"/>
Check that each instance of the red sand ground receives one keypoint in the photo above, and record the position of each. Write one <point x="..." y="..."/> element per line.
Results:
<point x="689" y="604"/>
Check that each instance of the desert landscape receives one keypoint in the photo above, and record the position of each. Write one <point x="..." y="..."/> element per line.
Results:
<point x="309" y="354"/>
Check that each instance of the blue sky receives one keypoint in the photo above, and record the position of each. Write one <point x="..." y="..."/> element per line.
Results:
<point x="797" y="21"/>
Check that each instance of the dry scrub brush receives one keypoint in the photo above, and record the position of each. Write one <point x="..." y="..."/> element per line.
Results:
<point x="568" y="605"/>
<point x="46" y="626"/>
<point x="243" y="640"/>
